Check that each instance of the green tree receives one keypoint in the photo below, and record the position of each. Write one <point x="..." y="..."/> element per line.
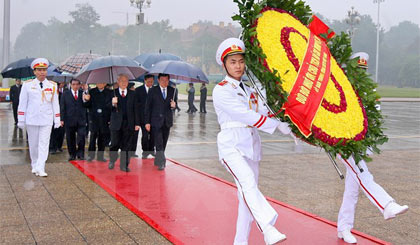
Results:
<point x="32" y="41"/>
<point x="400" y="54"/>
<point x="84" y="15"/>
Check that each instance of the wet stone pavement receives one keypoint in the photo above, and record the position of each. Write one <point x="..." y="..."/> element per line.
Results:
<point x="67" y="207"/>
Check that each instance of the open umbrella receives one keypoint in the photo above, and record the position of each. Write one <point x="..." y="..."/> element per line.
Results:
<point x="74" y="63"/>
<point x="106" y="69"/>
<point x="148" y="60"/>
<point x="180" y="71"/>
<point x="64" y="77"/>
<point x="52" y="71"/>
<point x="19" y="69"/>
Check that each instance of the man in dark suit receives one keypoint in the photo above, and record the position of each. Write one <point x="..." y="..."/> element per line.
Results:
<point x="73" y="118"/>
<point x="14" y="97"/>
<point x="99" y="116"/>
<point x="124" y="123"/>
<point x="158" y="116"/>
<point x="147" y="142"/>
<point x="57" y="134"/>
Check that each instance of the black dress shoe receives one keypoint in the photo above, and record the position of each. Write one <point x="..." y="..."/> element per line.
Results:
<point x="102" y="160"/>
<point x="89" y="159"/>
<point x="135" y="155"/>
<point x="81" y="158"/>
<point x="162" y="167"/>
<point x="125" y="169"/>
<point x="111" y="165"/>
<point x="144" y="156"/>
<point x="60" y="150"/>
<point x="72" y="158"/>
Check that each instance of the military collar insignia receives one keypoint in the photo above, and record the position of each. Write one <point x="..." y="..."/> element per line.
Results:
<point x="223" y="83"/>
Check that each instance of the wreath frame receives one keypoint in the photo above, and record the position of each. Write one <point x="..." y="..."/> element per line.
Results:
<point x="340" y="49"/>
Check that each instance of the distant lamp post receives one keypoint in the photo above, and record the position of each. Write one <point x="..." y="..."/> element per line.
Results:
<point x="353" y="19"/>
<point x="140" y="4"/>
<point x="378" y="28"/>
<point x="6" y="40"/>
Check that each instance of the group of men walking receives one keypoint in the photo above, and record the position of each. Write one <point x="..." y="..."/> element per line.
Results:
<point x="113" y="117"/>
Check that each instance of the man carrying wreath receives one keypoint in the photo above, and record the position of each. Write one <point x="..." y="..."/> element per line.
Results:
<point x="240" y="117"/>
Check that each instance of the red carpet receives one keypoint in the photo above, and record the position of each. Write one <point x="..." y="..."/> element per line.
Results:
<point x="190" y="207"/>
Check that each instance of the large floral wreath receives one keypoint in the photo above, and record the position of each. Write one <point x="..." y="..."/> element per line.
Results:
<point x="276" y="35"/>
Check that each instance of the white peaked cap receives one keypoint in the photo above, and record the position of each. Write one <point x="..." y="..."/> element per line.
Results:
<point x="228" y="47"/>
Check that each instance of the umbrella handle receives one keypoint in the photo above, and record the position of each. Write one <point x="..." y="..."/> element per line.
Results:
<point x="173" y="97"/>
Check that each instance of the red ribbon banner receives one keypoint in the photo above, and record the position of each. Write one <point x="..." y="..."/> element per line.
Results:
<point x="306" y="95"/>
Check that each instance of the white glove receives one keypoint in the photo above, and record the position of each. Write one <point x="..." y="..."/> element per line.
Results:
<point x="284" y="128"/>
<point x="57" y="125"/>
<point x="21" y="124"/>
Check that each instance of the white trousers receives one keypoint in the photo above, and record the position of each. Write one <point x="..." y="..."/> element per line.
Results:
<point x="252" y="203"/>
<point x="39" y="142"/>
<point x="354" y="181"/>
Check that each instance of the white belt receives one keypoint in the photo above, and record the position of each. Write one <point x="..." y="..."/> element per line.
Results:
<point x="227" y="125"/>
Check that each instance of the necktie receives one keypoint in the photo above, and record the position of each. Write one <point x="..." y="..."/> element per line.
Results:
<point x="164" y="93"/>
<point x="123" y="94"/>
<point x="75" y="95"/>
<point x="40" y="84"/>
<point x="242" y="86"/>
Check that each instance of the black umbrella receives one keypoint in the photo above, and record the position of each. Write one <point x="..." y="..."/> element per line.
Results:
<point x="19" y="69"/>
<point x="64" y="77"/>
<point x="148" y="60"/>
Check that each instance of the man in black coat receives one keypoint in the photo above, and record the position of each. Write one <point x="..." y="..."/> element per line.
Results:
<point x="147" y="142"/>
<point x="158" y="116"/>
<point x="203" y="98"/>
<point x="60" y="132"/>
<point x="73" y="118"/>
<point x="124" y="123"/>
<point x="99" y="116"/>
<point x="14" y="97"/>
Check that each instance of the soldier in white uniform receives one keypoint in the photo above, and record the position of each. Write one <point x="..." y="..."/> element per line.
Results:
<point x="240" y="117"/>
<point x="38" y="110"/>
<point x="355" y="180"/>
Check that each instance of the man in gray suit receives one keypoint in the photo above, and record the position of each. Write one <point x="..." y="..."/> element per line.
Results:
<point x="191" y="94"/>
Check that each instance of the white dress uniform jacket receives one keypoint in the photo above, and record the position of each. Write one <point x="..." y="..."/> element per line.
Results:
<point x="241" y="113"/>
<point x="39" y="107"/>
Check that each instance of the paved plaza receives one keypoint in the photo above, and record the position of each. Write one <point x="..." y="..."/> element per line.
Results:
<point x="67" y="207"/>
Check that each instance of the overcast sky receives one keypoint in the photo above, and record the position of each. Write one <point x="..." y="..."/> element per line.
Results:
<point x="182" y="13"/>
